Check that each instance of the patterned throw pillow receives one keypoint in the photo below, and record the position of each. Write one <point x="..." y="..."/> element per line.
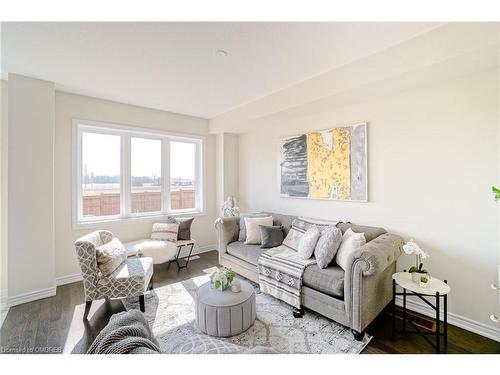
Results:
<point x="271" y="236"/>
<point x="308" y="242"/>
<point x="351" y="241"/>
<point x="327" y="246"/>
<point x="299" y="226"/>
<point x="110" y="255"/>
<point x="184" y="226"/>
<point x="165" y="232"/>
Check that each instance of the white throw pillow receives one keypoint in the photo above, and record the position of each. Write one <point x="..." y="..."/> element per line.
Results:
<point x="252" y="225"/>
<point x="165" y="232"/>
<point x="351" y="241"/>
<point x="110" y="255"/>
<point x="308" y="242"/>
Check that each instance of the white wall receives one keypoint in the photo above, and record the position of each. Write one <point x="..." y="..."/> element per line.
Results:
<point x="30" y="186"/>
<point x="227" y="167"/>
<point x="3" y="198"/>
<point x="433" y="155"/>
<point x="68" y="107"/>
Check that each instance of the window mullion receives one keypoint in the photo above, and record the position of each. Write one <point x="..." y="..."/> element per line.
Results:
<point x="165" y="176"/>
<point x="198" y="179"/>
<point x="125" y="185"/>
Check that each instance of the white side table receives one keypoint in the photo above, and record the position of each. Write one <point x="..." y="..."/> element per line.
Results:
<point x="435" y="288"/>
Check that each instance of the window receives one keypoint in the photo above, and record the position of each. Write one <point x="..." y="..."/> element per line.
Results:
<point x="123" y="173"/>
<point x="182" y="175"/>
<point x="146" y="175"/>
<point x="100" y="175"/>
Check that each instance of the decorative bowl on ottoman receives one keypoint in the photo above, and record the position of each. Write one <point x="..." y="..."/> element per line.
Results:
<point x="225" y="313"/>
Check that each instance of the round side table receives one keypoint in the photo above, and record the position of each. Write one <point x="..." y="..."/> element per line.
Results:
<point x="435" y="288"/>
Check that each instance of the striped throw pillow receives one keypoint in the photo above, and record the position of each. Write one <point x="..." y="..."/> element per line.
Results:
<point x="299" y="226"/>
<point x="165" y="232"/>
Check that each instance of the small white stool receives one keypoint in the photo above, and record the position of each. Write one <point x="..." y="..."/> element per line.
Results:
<point x="160" y="251"/>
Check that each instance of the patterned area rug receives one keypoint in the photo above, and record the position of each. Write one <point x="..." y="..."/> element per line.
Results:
<point x="170" y="312"/>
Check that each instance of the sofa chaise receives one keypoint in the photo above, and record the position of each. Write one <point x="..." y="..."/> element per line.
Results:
<point x="353" y="297"/>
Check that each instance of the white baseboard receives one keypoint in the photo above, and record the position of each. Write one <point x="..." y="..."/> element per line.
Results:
<point x="3" y="315"/>
<point x="68" y="279"/>
<point x="63" y="280"/>
<point x="453" y="319"/>
<point x="4" y="308"/>
<point x="197" y="250"/>
<point x="31" y="296"/>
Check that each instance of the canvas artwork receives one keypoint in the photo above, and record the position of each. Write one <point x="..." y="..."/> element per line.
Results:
<point x="327" y="164"/>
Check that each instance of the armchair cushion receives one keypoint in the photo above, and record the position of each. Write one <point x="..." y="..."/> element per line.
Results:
<point x="110" y="256"/>
<point x="130" y="279"/>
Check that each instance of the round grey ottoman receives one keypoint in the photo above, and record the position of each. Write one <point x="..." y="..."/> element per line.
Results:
<point x="225" y="313"/>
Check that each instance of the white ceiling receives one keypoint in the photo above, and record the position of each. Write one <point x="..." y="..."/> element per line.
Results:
<point x="173" y="66"/>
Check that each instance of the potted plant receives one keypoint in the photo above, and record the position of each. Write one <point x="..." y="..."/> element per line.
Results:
<point x="222" y="278"/>
<point x="423" y="281"/>
<point x="416" y="271"/>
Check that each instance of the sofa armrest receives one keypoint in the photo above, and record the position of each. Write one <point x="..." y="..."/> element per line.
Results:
<point x="228" y="229"/>
<point x="367" y="281"/>
<point x="375" y="256"/>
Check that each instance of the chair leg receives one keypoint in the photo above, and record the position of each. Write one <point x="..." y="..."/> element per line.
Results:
<point x="151" y="284"/>
<point x="141" y="303"/>
<point x="88" y="305"/>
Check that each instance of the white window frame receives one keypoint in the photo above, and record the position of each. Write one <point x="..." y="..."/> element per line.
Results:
<point x="126" y="133"/>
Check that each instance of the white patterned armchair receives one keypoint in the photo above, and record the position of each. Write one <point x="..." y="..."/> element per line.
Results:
<point x="130" y="279"/>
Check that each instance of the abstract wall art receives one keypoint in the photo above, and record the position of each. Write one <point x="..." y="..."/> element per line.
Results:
<point x="326" y="164"/>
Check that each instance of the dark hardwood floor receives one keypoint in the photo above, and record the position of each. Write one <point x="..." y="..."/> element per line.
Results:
<point x="55" y="325"/>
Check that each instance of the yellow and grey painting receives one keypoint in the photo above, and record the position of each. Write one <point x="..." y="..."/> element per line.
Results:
<point x="328" y="164"/>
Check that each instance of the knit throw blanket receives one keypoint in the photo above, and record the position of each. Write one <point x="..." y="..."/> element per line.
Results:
<point x="281" y="268"/>
<point x="126" y="333"/>
<point x="280" y="274"/>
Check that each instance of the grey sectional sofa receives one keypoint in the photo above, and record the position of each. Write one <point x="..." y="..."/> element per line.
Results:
<point x="353" y="297"/>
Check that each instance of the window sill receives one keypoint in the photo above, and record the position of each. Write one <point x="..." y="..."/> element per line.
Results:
<point x="95" y="224"/>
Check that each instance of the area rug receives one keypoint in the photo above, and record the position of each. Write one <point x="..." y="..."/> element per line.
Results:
<point x="170" y="312"/>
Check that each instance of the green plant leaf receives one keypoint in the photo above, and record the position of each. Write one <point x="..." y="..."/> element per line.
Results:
<point x="412" y="269"/>
<point x="496" y="191"/>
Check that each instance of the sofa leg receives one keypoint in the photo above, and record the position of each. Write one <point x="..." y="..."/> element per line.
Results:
<point x="298" y="313"/>
<point x="358" y="336"/>
<point x="141" y="303"/>
<point x="88" y="305"/>
<point x="151" y="284"/>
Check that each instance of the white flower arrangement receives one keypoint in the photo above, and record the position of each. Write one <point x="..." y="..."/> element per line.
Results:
<point x="411" y="247"/>
<point x="229" y="208"/>
<point x="222" y="278"/>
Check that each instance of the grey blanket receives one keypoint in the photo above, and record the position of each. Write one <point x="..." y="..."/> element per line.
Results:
<point x="126" y="333"/>
<point x="280" y="274"/>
